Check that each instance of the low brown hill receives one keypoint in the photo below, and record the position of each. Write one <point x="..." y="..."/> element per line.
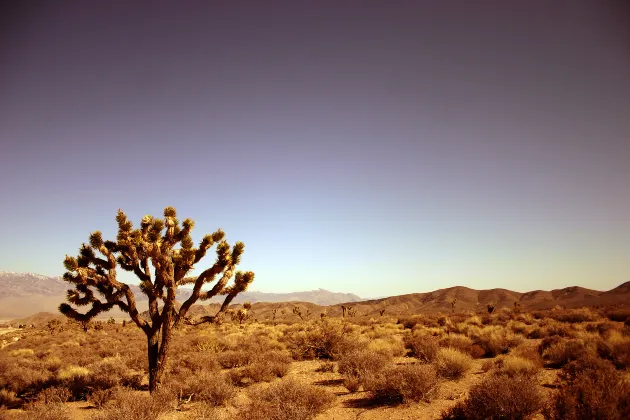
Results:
<point x="39" y="319"/>
<point x="440" y="301"/>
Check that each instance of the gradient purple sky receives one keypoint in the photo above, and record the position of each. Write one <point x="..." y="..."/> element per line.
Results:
<point x="371" y="147"/>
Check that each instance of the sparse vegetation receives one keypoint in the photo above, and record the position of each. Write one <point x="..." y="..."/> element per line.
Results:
<point x="233" y="369"/>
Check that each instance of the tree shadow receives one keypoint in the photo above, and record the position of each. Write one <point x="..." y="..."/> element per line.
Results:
<point x="329" y="382"/>
<point x="372" y="402"/>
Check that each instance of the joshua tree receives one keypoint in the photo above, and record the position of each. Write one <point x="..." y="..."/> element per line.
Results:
<point x="490" y="308"/>
<point x="150" y="253"/>
<point x="382" y="312"/>
<point x="273" y="311"/>
<point x="242" y="314"/>
<point x="453" y="302"/>
<point x="298" y="312"/>
<point x="517" y="306"/>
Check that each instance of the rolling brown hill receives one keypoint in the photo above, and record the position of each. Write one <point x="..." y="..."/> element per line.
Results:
<point x="440" y="301"/>
<point x="436" y="301"/>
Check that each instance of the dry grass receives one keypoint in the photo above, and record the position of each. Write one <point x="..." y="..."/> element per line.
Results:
<point x="499" y="398"/>
<point x="513" y="366"/>
<point x="361" y="368"/>
<point x="213" y="367"/>
<point x="423" y="347"/>
<point x="407" y="383"/>
<point x="287" y="399"/>
<point x="452" y="363"/>
<point x="592" y="389"/>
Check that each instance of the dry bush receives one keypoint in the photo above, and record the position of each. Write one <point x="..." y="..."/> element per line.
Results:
<point x="422" y="347"/>
<point x="457" y="341"/>
<point x="408" y="322"/>
<point x="131" y="405"/>
<point x="287" y="399"/>
<point x="615" y="348"/>
<point x="498" y="398"/>
<point x="618" y="314"/>
<point x="212" y="388"/>
<point x="401" y="384"/>
<point x="40" y="411"/>
<point x="234" y="358"/>
<point x="572" y="316"/>
<point x="8" y="399"/>
<point x="265" y="367"/>
<point x="529" y="352"/>
<point x="198" y="361"/>
<point x="565" y="351"/>
<point x="360" y="368"/>
<point x="487" y="365"/>
<point x="54" y="395"/>
<point x="452" y="363"/>
<point x="513" y="366"/>
<point x="99" y="397"/>
<point x="591" y="389"/>
<point x="324" y="339"/>
<point x="496" y="340"/>
<point x="391" y="346"/>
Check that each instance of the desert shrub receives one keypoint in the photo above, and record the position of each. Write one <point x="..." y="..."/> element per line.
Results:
<point x="360" y="368"/>
<point x="112" y="372"/>
<point x="325" y="339"/>
<point x="548" y="342"/>
<point x="487" y="365"/>
<point x="265" y="367"/>
<point x="287" y="399"/>
<point x="234" y="358"/>
<point x="22" y="379"/>
<point x="54" y="395"/>
<point x="76" y="379"/>
<point x="513" y="366"/>
<point x="528" y="352"/>
<point x="22" y="352"/>
<point x="212" y="388"/>
<point x="591" y="389"/>
<point x="391" y="346"/>
<point x="401" y="384"/>
<point x="457" y="341"/>
<point x="615" y="348"/>
<point x="572" y="316"/>
<point x="130" y="405"/>
<point x="8" y="399"/>
<point x="564" y="351"/>
<point x="452" y="363"/>
<point x="518" y="327"/>
<point x="203" y="360"/>
<point x="498" y="398"/>
<point x="474" y="320"/>
<point x="618" y="314"/>
<point x="408" y="322"/>
<point x="422" y="347"/>
<point x="535" y="332"/>
<point x="496" y="340"/>
<point x="40" y="411"/>
<point x="99" y="397"/>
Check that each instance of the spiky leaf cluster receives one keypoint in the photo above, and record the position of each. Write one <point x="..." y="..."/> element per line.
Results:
<point x="161" y="253"/>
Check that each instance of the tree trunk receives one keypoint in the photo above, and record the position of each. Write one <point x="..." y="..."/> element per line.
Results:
<point x="153" y="352"/>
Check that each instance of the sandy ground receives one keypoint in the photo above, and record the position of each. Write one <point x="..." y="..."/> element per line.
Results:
<point x="349" y="405"/>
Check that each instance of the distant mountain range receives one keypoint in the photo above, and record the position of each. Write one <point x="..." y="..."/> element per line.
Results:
<point x="23" y="294"/>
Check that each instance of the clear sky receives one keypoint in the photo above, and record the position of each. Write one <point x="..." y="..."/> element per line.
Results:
<point x="371" y="147"/>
